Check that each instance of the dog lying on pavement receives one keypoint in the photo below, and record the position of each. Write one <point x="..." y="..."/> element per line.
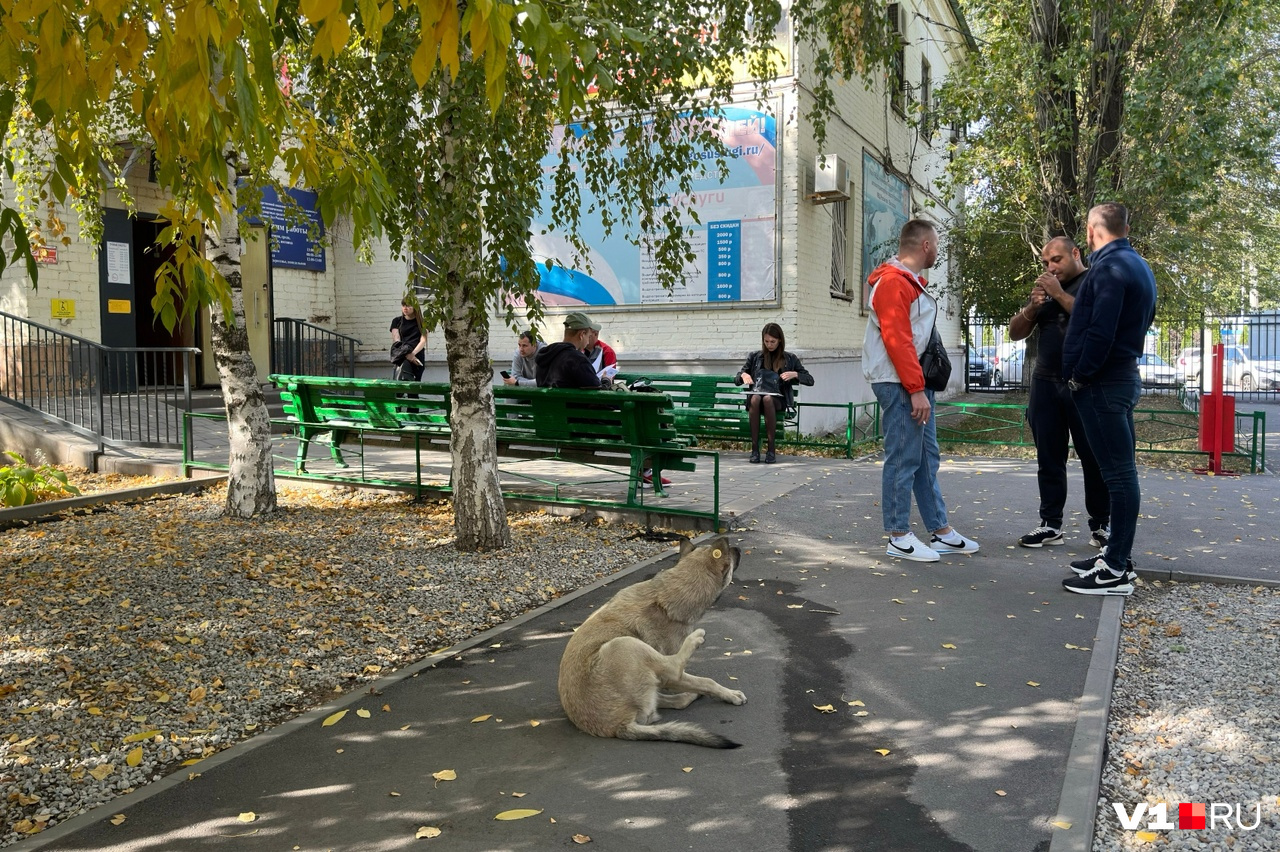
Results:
<point x="639" y="643"/>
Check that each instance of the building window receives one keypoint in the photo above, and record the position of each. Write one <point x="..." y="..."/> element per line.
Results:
<point x="926" y="101"/>
<point x="897" y="64"/>
<point x="840" y="249"/>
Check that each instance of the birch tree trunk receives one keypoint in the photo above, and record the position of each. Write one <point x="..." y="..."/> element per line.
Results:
<point x="251" y="488"/>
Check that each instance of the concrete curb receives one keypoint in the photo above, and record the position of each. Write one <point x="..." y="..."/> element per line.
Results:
<point x="1194" y="577"/>
<point x="175" y="777"/>
<point x="1078" y="802"/>
<point x="36" y="511"/>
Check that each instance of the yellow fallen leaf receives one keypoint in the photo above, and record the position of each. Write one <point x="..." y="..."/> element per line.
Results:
<point x="861" y="713"/>
<point x="118" y="819"/>
<point x="1061" y="823"/>
<point x="393" y="793"/>
<point x="137" y="738"/>
<point x="1001" y="793"/>
<point x="882" y="751"/>
<point x="895" y="600"/>
<point x="445" y="775"/>
<point x="163" y="698"/>
<point x="197" y="695"/>
<point x="486" y="717"/>
<point x="102" y="770"/>
<point x="978" y="683"/>
<point x="94" y="711"/>
<point x="518" y="813"/>
<point x="1147" y="836"/>
<point x="519" y="795"/>
<point x="363" y="713"/>
<point x="533" y="723"/>
<point x="948" y="645"/>
<point x="581" y="839"/>
<point x="134" y="758"/>
<point x="427" y="831"/>
<point x="386" y="708"/>
<point x="404" y="727"/>
<point x="1032" y="683"/>
<point x="191" y="761"/>
<point x="334" y="719"/>
<point x="856" y="703"/>
<point x="825" y="708"/>
<point x="247" y="816"/>
<point x="686" y="769"/>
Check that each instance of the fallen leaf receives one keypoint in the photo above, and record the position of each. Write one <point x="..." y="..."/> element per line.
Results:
<point x="445" y="775"/>
<point x="882" y="751"/>
<point x="134" y="758"/>
<point x="948" y="645"/>
<point x="518" y="813"/>
<point x="486" y="717"/>
<point x="386" y="708"/>
<point x="856" y="703"/>
<point x="118" y="819"/>
<point x="102" y="770"/>
<point x="1032" y="683"/>
<point x="393" y="793"/>
<point x="533" y="723"/>
<point x="137" y="738"/>
<point x="1001" y="793"/>
<point x="363" y="713"/>
<point x="247" y="816"/>
<point x="519" y="795"/>
<point x="1147" y="836"/>
<point x="686" y="769"/>
<point x="192" y="761"/>
<point x="427" y="831"/>
<point x="978" y="683"/>
<point x="1061" y="823"/>
<point x="581" y="838"/>
<point x="825" y="708"/>
<point x="897" y="601"/>
<point x="334" y="719"/>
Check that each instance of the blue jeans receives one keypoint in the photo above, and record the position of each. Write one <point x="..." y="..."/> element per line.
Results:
<point x="1106" y="412"/>
<point x="910" y="461"/>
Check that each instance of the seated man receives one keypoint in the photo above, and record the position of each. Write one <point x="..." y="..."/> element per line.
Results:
<point x="563" y="365"/>
<point x="523" y="370"/>
<point x="602" y="357"/>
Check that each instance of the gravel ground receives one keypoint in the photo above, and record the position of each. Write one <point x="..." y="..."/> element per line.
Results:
<point x="1195" y="718"/>
<point x="138" y="639"/>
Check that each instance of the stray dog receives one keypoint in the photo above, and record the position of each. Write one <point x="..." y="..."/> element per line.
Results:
<point x="639" y="643"/>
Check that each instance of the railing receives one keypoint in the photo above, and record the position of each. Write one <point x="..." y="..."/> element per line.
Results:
<point x="301" y="348"/>
<point x="120" y="395"/>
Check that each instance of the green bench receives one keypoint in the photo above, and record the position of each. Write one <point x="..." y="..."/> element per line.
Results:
<point x="611" y="428"/>
<point x="713" y="408"/>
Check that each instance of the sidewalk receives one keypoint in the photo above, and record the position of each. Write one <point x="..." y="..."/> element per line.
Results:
<point x="817" y="616"/>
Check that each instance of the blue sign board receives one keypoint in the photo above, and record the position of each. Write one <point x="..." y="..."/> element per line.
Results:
<point x="724" y="283"/>
<point x="292" y="243"/>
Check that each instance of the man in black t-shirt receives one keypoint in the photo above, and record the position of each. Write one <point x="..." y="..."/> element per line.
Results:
<point x="1050" y="411"/>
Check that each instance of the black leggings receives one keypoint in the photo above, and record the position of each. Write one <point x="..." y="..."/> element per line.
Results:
<point x="769" y="406"/>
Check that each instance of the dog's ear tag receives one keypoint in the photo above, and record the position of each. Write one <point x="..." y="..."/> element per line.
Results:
<point x="717" y="553"/>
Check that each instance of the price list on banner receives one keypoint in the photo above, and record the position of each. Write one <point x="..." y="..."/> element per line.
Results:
<point x="724" y="256"/>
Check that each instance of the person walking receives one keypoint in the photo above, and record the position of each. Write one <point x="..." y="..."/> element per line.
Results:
<point x="770" y="373"/>
<point x="901" y="324"/>
<point x="1114" y="307"/>
<point x="1050" y="412"/>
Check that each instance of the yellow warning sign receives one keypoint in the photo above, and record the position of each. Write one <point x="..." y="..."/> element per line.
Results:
<point x="119" y="306"/>
<point x="62" y="308"/>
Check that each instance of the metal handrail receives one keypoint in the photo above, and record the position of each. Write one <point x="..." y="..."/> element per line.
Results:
<point x="301" y="348"/>
<point x="119" y="395"/>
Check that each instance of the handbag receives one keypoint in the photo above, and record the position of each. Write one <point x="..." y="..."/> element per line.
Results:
<point x="934" y="362"/>
<point x="400" y="351"/>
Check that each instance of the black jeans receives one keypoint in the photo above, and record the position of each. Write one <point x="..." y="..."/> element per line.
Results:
<point x="1106" y="410"/>
<point x="1053" y="418"/>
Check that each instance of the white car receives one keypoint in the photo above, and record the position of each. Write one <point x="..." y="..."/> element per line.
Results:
<point x="1238" y="369"/>
<point x="1155" y="372"/>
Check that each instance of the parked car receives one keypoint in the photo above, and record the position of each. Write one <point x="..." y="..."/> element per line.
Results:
<point x="1238" y="370"/>
<point x="1008" y="364"/>
<point x="1156" y="372"/>
<point x="980" y="370"/>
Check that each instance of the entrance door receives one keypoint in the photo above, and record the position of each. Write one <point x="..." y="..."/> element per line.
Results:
<point x="255" y="279"/>
<point x="157" y="369"/>
<point x="118" y="298"/>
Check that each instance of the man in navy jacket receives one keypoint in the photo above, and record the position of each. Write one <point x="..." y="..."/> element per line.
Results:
<point x="1114" y="308"/>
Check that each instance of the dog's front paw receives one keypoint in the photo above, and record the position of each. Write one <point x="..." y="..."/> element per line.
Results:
<point x="736" y="697"/>
<point x="697" y="637"/>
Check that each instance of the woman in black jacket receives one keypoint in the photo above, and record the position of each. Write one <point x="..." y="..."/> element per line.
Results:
<point x="769" y="375"/>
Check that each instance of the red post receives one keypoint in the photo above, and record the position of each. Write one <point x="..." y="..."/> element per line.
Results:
<point x="1217" y="419"/>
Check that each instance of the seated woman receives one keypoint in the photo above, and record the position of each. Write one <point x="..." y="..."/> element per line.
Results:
<point x="769" y="375"/>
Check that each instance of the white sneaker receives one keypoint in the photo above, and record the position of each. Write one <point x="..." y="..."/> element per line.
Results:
<point x="910" y="547"/>
<point x="965" y="545"/>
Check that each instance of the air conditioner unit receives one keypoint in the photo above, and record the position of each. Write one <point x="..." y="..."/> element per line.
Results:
<point x="830" y="179"/>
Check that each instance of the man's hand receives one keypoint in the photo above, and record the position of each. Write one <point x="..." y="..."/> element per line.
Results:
<point x="920" y="407"/>
<point x="509" y="380"/>
<point x="1050" y="287"/>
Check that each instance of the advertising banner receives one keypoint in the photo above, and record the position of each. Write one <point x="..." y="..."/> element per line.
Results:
<point x="886" y="207"/>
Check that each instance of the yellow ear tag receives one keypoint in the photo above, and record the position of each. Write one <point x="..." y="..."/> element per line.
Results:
<point x="716" y="554"/>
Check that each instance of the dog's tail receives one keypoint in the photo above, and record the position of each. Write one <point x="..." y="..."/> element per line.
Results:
<point x="676" y="732"/>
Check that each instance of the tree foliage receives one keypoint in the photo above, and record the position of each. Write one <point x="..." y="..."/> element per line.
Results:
<point x="1168" y="107"/>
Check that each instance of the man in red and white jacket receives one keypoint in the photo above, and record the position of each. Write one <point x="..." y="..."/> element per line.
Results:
<point x="901" y="323"/>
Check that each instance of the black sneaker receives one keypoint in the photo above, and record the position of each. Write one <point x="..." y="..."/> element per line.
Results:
<point x="1084" y="566"/>
<point x="1099" y="581"/>
<point x="1040" y="536"/>
<point x="1100" y="537"/>
<point x="755" y="457"/>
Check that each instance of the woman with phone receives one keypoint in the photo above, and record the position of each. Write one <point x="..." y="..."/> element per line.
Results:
<point x="769" y="375"/>
<point x="408" y="344"/>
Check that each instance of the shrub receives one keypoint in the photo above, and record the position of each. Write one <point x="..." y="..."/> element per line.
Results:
<point x="21" y="484"/>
